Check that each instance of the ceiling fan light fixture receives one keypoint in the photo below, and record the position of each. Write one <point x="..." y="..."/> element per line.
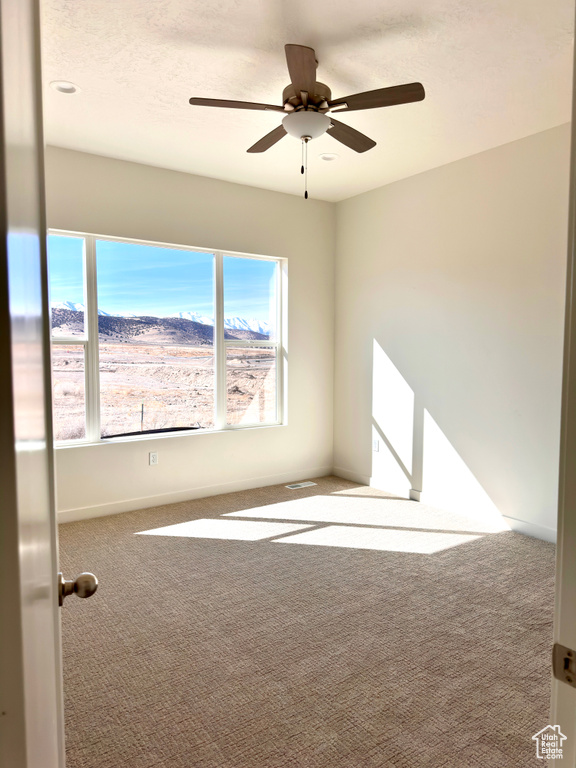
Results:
<point x="306" y="123"/>
<point x="64" y="86"/>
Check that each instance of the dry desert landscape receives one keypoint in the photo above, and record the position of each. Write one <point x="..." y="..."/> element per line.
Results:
<point x="148" y="383"/>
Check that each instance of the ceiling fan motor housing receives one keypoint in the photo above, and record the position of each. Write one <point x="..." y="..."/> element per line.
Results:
<point x="322" y="94"/>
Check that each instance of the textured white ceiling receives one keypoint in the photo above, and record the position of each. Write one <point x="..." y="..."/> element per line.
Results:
<point x="494" y="71"/>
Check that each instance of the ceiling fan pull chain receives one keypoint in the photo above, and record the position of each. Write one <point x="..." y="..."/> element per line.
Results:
<point x="305" y="140"/>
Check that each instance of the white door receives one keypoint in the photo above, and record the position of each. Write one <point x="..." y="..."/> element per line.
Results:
<point x="31" y="721"/>
<point x="563" y="709"/>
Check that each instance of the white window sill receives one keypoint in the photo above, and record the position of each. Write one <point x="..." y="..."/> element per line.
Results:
<point x="64" y="445"/>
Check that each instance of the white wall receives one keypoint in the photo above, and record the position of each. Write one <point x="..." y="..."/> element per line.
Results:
<point x="449" y="324"/>
<point x="450" y="307"/>
<point x="105" y="196"/>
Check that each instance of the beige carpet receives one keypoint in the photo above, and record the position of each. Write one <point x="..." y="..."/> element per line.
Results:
<point x="311" y="650"/>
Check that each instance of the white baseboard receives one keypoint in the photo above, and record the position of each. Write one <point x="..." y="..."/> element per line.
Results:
<point x="354" y="477"/>
<point x="144" y="502"/>
<point x="532" y="529"/>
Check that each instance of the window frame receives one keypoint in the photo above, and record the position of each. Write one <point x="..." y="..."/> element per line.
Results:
<point x="90" y="341"/>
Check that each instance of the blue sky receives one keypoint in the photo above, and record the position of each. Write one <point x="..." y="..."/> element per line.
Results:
<point x="143" y="279"/>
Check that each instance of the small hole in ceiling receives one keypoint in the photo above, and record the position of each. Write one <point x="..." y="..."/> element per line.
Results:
<point x="329" y="156"/>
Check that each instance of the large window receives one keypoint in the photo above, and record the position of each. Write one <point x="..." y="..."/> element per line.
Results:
<point x="148" y="339"/>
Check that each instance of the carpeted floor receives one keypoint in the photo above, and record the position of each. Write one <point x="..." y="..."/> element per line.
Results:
<point x="306" y="649"/>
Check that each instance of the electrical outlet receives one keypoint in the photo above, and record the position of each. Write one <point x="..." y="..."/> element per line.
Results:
<point x="375" y="445"/>
<point x="153" y="459"/>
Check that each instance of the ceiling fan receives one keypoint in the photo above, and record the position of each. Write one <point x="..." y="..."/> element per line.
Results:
<point x="306" y="102"/>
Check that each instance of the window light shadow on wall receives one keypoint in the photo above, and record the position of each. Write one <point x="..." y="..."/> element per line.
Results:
<point x="393" y="424"/>
<point x="414" y="454"/>
<point x="447" y="480"/>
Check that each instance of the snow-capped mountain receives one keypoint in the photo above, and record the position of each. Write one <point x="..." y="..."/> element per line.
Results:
<point x="242" y="324"/>
<point x="230" y="323"/>
<point x="68" y="305"/>
<point x="78" y="308"/>
<point x="196" y="317"/>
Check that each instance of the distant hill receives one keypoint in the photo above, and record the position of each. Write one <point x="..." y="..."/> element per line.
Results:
<point x="147" y="330"/>
<point x="230" y="323"/>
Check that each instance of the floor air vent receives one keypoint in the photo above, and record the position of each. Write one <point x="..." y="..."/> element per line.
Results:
<point x="300" y="485"/>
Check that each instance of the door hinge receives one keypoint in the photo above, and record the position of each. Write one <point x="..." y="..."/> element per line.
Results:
<point x="564" y="664"/>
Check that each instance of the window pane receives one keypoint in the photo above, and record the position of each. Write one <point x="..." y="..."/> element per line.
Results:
<point x="147" y="387"/>
<point x="251" y="385"/>
<point x="66" y="281"/>
<point x="68" y="396"/>
<point x="250" y="299"/>
<point x="156" y="332"/>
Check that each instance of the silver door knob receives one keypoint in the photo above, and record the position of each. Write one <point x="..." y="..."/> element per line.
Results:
<point x="83" y="585"/>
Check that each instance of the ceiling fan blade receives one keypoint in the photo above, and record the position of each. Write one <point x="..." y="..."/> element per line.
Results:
<point x="301" y="62"/>
<point x="269" y="140"/>
<point x="382" y="97"/>
<point x="233" y="104"/>
<point x="350" y="136"/>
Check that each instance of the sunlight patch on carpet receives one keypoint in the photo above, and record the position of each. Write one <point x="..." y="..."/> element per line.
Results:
<point x="416" y="542"/>
<point x="371" y="511"/>
<point x="234" y="530"/>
